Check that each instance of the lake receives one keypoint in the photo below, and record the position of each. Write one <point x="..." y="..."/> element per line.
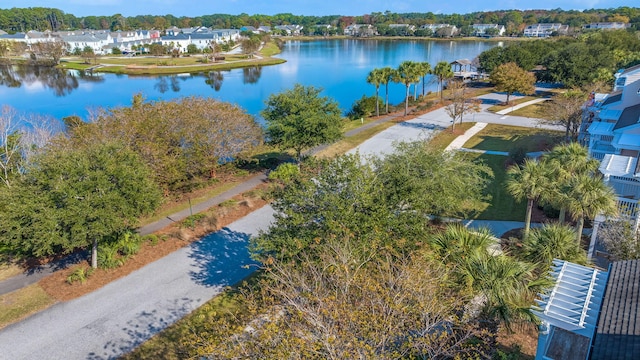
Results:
<point x="340" y="67"/>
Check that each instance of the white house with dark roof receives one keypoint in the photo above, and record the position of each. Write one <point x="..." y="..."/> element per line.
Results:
<point x="611" y="131"/>
<point x="545" y="30"/>
<point x="290" y="30"/>
<point x="589" y="313"/>
<point x="481" y="29"/>
<point x="606" y="26"/>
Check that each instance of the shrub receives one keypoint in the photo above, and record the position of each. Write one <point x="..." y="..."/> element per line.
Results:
<point x="79" y="275"/>
<point x="285" y="172"/>
<point x="108" y="257"/>
<point x="518" y="155"/>
<point x="151" y="238"/>
<point x="229" y="203"/>
<point x="129" y="244"/>
<point x="192" y="220"/>
<point x="365" y="106"/>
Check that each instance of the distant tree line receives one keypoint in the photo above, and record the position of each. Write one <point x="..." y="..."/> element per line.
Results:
<point x="578" y="61"/>
<point x="40" y="19"/>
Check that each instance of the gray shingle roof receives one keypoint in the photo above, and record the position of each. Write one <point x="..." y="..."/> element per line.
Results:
<point x="618" y="331"/>
<point x="629" y="116"/>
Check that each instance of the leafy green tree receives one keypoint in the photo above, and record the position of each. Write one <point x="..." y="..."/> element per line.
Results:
<point x="443" y="72"/>
<point x="421" y="179"/>
<point x="183" y="141"/>
<point x="192" y="49"/>
<point x="531" y="182"/>
<point x="365" y="106"/>
<point x="77" y="198"/>
<point x="510" y="78"/>
<point x="376" y="77"/>
<point x="577" y="64"/>
<point x="300" y="118"/>
<point x="331" y="199"/>
<point x="88" y="54"/>
<point x="588" y="197"/>
<point x="407" y="73"/>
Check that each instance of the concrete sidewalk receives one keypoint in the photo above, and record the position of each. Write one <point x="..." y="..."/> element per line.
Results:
<point x="458" y="142"/>
<point x="520" y="106"/>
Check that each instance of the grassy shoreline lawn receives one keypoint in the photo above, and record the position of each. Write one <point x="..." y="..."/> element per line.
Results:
<point x="166" y="65"/>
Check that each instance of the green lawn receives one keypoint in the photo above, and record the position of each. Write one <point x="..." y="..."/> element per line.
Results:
<point x="502" y="205"/>
<point x="21" y="303"/>
<point x="442" y="139"/>
<point x="497" y="108"/>
<point x="539" y="111"/>
<point x="504" y="138"/>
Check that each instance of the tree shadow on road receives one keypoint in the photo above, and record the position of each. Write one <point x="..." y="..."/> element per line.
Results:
<point x="143" y="327"/>
<point x="421" y="125"/>
<point x="222" y="258"/>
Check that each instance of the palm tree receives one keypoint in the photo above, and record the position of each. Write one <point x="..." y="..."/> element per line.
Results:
<point x="457" y="242"/>
<point x="443" y="72"/>
<point x="424" y="68"/>
<point x="552" y="241"/>
<point x="531" y="182"/>
<point x="503" y="285"/>
<point x="375" y="78"/>
<point x="506" y="286"/>
<point x="567" y="161"/>
<point x="589" y="197"/>
<point x="388" y="74"/>
<point x="407" y="74"/>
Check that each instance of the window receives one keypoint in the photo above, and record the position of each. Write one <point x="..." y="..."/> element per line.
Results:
<point x="621" y="81"/>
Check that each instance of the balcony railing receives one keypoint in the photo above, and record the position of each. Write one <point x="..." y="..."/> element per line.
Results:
<point x="628" y="208"/>
<point x="625" y="187"/>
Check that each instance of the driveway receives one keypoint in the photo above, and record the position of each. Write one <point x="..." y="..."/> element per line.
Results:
<point x="117" y="318"/>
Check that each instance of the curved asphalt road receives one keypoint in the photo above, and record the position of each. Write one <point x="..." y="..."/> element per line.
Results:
<point x="115" y="319"/>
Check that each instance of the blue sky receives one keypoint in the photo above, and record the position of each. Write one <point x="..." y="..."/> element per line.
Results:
<point x="301" y="7"/>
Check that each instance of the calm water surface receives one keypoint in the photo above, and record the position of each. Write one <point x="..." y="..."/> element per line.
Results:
<point x="340" y="67"/>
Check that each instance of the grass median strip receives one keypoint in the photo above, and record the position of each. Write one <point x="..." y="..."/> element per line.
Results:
<point x="21" y="303"/>
<point x="505" y="138"/>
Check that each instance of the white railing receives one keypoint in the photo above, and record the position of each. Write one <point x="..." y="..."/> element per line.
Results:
<point x="626" y="188"/>
<point x="598" y="155"/>
<point x="628" y="208"/>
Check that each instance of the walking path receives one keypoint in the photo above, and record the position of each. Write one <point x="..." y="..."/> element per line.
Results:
<point x="115" y="319"/>
<point x="458" y="142"/>
<point x="520" y="106"/>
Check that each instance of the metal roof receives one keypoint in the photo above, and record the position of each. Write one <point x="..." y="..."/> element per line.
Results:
<point x="618" y="165"/>
<point x="574" y="302"/>
<point x="601" y="128"/>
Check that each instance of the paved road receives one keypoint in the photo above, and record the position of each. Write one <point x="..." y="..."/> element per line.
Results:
<point x="426" y="125"/>
<point x="118" y="317"/>
<point x="35" y="274"/>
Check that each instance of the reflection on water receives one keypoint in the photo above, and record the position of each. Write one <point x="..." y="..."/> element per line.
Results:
<point x="251" y="75"/>
<point x="166" y="82"/>
<point x="61" y="82"/>
<point x="339" y="67"/>
<point x="214" y="79"/>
